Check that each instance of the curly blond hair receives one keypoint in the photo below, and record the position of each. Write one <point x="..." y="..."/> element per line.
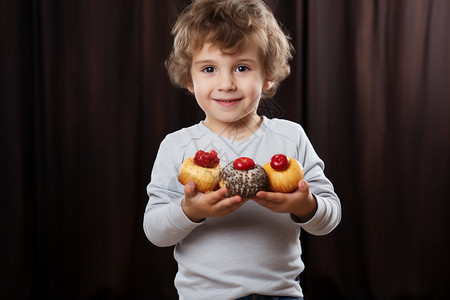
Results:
<point x="230" y="25"/>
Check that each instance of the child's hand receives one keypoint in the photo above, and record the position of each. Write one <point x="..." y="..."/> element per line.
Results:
<point x="300" y="203"/>
<point x="198" y="206"/>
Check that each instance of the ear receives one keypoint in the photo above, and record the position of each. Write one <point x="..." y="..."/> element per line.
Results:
<point x="190" y="87"/>
<point x="267" y="85"/>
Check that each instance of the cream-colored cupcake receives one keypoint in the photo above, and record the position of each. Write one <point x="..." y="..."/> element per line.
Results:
<point x="284" y="180"/>
<point x="206" y="179"/>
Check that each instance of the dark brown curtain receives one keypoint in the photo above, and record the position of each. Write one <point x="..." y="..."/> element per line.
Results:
<point x="85" y="102"/>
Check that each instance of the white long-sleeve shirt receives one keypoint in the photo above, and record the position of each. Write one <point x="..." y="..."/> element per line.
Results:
<point x="252" y="250"/>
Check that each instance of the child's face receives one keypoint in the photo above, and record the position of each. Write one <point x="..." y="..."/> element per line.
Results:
<point x="227" y="87"/>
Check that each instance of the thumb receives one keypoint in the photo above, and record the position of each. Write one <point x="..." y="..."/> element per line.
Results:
<point x="303" y="186"/>
<point x="190" y="189"/>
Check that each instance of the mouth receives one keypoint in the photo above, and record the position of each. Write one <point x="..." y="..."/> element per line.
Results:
<point x="227" y="100"/>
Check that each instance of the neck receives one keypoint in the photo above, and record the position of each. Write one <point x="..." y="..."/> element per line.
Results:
<point x="238" y="130"/>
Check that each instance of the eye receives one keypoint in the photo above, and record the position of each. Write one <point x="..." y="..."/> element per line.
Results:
<point x="208" y="69"/>
<point x="242" y="69"/>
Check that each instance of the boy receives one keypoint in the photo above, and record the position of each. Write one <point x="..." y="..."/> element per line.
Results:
<point x="229" y="55"/>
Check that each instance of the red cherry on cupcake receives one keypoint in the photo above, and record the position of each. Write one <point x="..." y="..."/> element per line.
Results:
<point x="279" y="162"/>
<point x="244" y="163"/>
<point x="205" y="159"/>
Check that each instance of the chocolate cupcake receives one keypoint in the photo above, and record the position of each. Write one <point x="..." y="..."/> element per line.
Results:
<point x="243" y="177"/>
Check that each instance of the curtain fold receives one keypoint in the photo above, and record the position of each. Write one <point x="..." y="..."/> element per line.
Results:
<point x="85" y="101"/>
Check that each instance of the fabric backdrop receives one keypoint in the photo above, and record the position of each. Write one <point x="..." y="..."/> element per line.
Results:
<point x="85" y="101"/>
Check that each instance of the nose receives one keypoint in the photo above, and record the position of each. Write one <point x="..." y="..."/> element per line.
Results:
<point x="226" y="82"/>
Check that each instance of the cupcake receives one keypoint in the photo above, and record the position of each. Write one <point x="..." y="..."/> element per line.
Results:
<point x="243" y="177"/>
<point x="284" y="173"/>
<point x="203" y="169"/>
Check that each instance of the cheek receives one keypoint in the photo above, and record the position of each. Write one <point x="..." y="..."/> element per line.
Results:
<point x="193" y="87"/>
<point x="197" y="89"/>
<point x="200" y="90"/>
<point x="255" y="88"/>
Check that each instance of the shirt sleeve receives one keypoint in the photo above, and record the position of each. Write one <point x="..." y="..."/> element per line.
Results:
<point x="328" y="213"/>
<point x="165" y="223"/>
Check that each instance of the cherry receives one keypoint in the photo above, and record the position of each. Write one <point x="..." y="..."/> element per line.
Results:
<point x="279" y="162"/>
<point x="244" y="163"/>
<point x="205" y="159"/>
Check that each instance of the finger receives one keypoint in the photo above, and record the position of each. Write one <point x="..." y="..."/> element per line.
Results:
<point x="274" y="201"/>
<point x="238" y="203"/>
<point x="229" y="205"/>
<point x="216" y="196"/>
<point x="227" y="202"/>
<point x="268" y="196"/>
<point x="272" y="205"/>
<point x="303" y="186"/>
<point x="190" y="189"/>
<point x="222" y="192"/>
<point x="233" y="199"/>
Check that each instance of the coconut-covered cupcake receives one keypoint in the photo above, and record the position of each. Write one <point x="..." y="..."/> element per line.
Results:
<point x="243" y="177"/>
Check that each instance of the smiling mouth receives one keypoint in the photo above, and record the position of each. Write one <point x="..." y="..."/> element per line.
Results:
<point x="227" y="101"/>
